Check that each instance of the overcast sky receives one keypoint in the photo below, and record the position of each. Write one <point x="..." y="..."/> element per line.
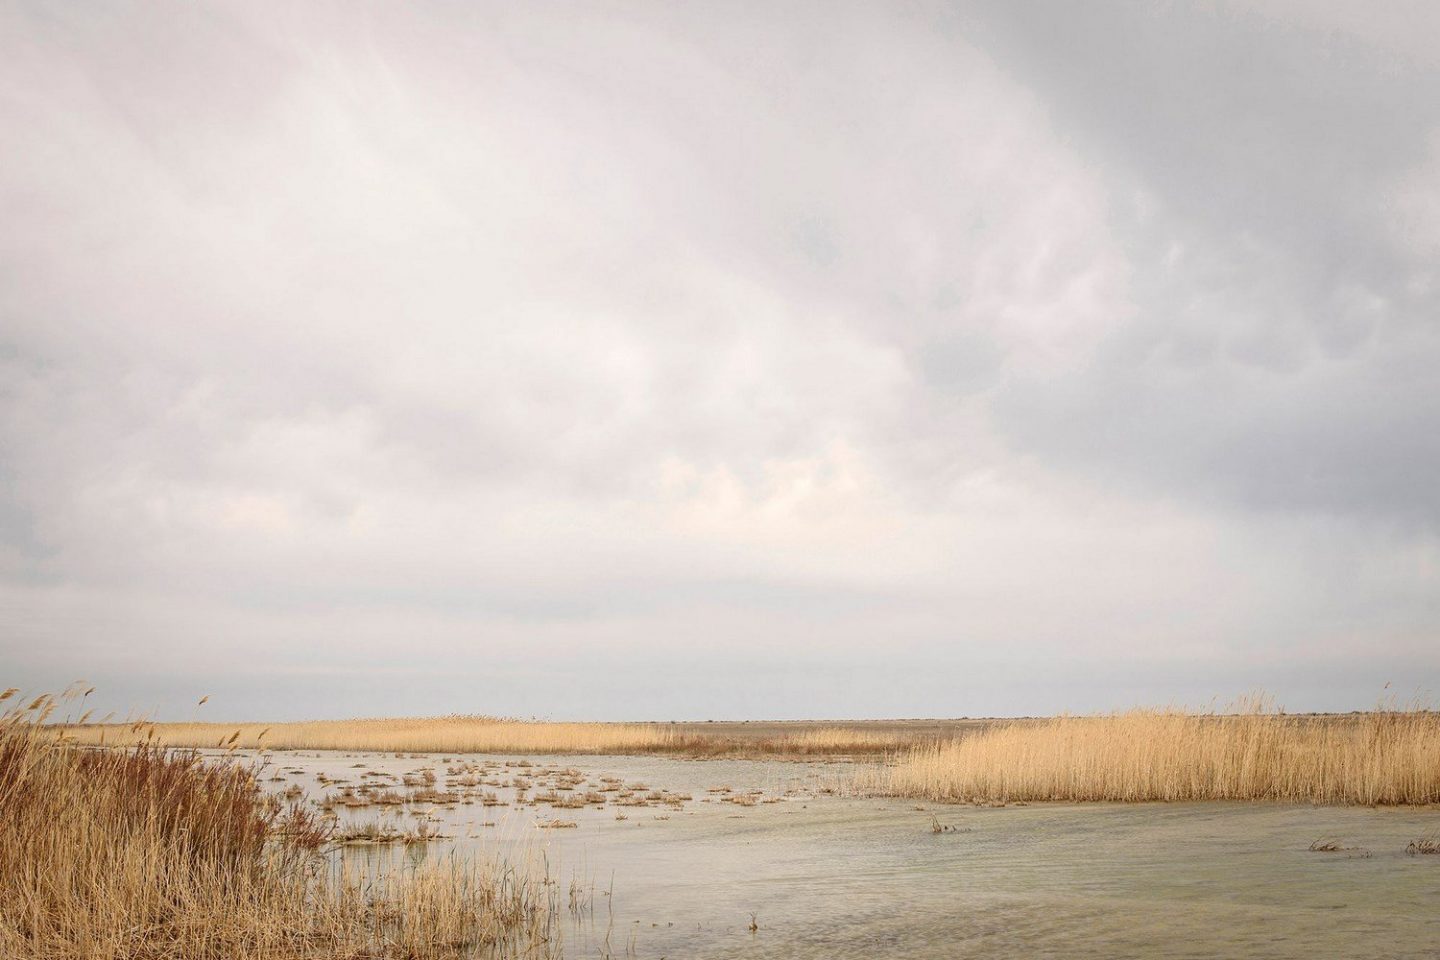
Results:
<point x="719" y="360"/>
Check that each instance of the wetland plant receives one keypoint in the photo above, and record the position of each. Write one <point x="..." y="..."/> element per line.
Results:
<point x="406" y="736"/>
<point x="1377" y="758"/>
<point x="146" y="853"/>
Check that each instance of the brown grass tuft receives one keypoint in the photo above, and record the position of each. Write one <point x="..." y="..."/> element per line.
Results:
<point x="147" y="852"/>
<point x="1423" y="846"/>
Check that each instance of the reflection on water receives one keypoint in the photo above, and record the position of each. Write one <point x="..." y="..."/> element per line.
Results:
<point x="837" y="877"/>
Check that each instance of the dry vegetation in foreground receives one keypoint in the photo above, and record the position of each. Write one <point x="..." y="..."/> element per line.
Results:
<point x="459" y="735"/>
<point x="1376" y="758"/>
<point x="149" y="853"/>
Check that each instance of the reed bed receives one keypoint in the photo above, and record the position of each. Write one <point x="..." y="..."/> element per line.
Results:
<point x="823" y="741"/>
<point x="149" y="852"/>
<point x="408" y="735"/>
<point x="1377" y="758"/>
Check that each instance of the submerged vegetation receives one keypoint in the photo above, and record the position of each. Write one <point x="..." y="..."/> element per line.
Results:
<point x="1377" y="758"/>
<point x="149" y="852"/>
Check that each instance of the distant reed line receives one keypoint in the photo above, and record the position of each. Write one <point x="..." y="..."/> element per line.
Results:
<point x="1375" y="758"/>
<point x="458" y="734"/>
<point x="409" y="735"/>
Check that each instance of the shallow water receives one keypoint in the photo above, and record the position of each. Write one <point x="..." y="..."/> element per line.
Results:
<point x="841" y="877"/>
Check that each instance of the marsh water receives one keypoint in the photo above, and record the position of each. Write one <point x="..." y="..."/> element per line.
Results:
<point x="777" y="846"/>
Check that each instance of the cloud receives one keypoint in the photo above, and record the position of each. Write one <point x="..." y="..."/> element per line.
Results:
<point x="429" y="358"/>
<point x="1271" y="175"/>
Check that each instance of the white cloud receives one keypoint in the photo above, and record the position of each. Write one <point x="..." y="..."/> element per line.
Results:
<point x="405" y="339"/>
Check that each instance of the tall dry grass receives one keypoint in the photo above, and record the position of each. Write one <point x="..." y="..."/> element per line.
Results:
<point x="817" y="742"/>
<point x="409" y="735"/>
<point x="147" y="853"/>
<point x="1380" y="757"/>
<point x="828" y="740"/>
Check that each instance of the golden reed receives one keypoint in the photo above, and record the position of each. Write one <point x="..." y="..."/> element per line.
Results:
<point x="1378" y="757"/>
<point x="407" y="735"/>
<point x="459" y="734"/>
<point x="147" y="853"/>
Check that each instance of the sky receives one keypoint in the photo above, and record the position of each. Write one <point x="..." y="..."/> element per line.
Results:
<point x="719" y="360"/>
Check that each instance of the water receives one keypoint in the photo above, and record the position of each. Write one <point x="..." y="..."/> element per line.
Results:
<point x="830" y="876"/>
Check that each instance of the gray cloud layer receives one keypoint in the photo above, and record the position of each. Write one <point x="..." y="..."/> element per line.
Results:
<point x="629" y="360"/>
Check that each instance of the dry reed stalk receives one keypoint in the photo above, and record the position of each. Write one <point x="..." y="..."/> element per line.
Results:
<point x="147" y="853"/>
<point x="1376" y="758"/>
